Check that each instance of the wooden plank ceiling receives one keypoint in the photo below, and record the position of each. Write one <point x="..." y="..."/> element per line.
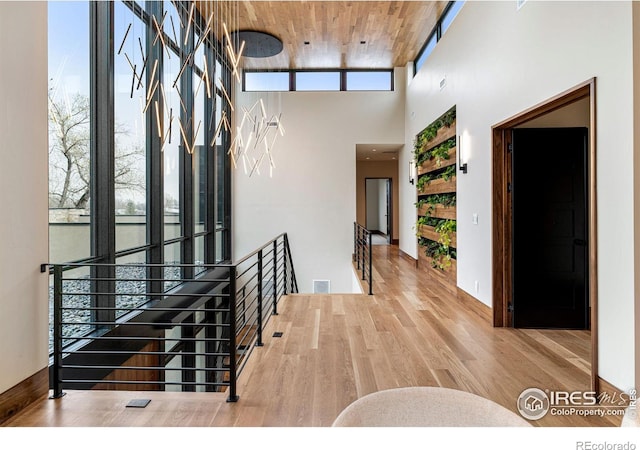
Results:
<point x="392" y="31"/>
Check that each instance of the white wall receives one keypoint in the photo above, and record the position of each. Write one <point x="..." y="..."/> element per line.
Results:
<point x="23" y="191"/>
<point x="499" y="61"/>
<point x="356" y="287"/>
<point x="407" y="241"/>
<point x="373" y="207"/>
<point x="636" y="168"/>
<point x="312" y="194"/>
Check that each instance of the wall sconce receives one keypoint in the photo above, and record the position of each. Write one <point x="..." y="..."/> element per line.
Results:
<point x="412" y="171"/>
<point x="462" y="166"/>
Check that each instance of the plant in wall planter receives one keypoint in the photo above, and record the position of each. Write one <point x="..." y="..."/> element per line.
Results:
<point x="446" y="175"/>
<point x="445" y="252"/>
<point x="441" y="252"/>
<point x="419" y="157"/>
<point x="430" y="207"/>
<point x="436" y="234"/>
<point x="446" y="229"/>
<point x="445" y="200"/>
<point x="449" y="117"/>
<point x="419" y="142"/>
<point x="422" y="221"/>
<point x="441" y="152"/>
<point x="441" y="257"/>
<point x="423" y="181"/>
<point x="434" y="201"/>
<point x="431" y="132"/>
<point x="449" y="173"/>
<point x="445" y="120"/>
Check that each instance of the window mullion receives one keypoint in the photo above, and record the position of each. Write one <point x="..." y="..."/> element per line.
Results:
<point x="226" y="170"/>
<point x="186" y="153"/>
<point x="209" y="161"/>
<point x="102" y="155"/>
<point x="155" y="158"/>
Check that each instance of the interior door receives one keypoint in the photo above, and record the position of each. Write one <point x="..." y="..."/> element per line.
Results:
<point x="550" y="236"/>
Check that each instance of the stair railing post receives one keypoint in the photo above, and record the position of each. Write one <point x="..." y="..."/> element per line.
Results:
<point x="57" y="332"/>
<point x="292" y="272"/>
<point x="364" y="248"/>
<point x="233" y="397"/>
<point x="289" y="262"/>
<point x="357" y="243"/>
<point x="275" y="277"/>
<point x="370" y="267"/>
<point x="259" y="339"/>
<point x="284" y="263"/>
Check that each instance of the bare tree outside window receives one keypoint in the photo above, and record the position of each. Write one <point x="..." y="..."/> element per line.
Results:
<point x="69" y="155"/>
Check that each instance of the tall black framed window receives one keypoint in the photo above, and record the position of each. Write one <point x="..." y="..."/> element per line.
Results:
<point x="134" y="174"/>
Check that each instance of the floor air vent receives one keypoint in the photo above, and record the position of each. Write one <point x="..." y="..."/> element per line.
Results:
<point x="138" y="403"/>
<point x="321" y="286"/>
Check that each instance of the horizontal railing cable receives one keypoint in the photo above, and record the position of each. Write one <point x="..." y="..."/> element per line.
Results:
<point x="163" y="330"/>
<point x="362" y="255"/>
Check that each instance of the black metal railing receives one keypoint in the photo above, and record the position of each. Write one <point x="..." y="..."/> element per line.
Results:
<point x="362" y="253"/>
<point x="164" y="327"/>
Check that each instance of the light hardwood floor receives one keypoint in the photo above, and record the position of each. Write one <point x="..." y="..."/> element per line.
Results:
<point x="337" y="348"/>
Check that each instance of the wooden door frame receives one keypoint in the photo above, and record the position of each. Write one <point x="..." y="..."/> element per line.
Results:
<point x="502" y="227"/>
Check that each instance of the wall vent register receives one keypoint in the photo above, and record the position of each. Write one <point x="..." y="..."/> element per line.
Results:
<point x="321" y="286"/>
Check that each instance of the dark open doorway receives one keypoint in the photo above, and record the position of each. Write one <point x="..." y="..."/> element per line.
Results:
<point x="502" y="182"/>
<point x="549" y="228"/>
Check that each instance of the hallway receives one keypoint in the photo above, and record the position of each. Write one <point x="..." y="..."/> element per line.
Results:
<point x="379" y="239"/>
